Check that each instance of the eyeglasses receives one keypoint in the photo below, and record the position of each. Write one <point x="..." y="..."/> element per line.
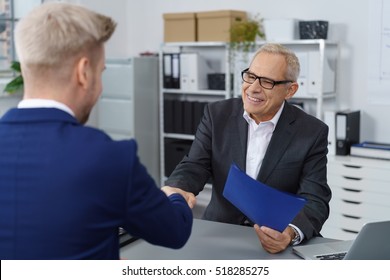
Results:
<point x="266" y="83"/>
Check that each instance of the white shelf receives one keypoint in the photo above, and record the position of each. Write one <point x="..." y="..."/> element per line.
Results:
<point x="222" y="44"/>
<point x="198" y="92"/>
<point x="324" y="96"/>
<point x="179" y="136"/>
<point x="196" y="44"/>
<point x="300" y="42"/>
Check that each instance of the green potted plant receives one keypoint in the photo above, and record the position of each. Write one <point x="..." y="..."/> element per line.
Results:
<point x="243" y="34"/>
<point x="16" y="84"/>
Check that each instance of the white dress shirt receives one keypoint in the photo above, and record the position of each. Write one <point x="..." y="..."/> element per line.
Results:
<point x="259" y="136"/>
<point x="44" y="103"/>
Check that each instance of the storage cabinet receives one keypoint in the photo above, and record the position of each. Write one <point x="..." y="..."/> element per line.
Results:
<point x="191" y="75"/>
<point x="361" y="193"/>
<point x="128" y="107"/>
<point x="317" y="79"/>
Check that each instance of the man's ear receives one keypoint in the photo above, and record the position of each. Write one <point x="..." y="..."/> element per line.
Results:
<point x="292" y="89"/>
<point x="82" y="74"/>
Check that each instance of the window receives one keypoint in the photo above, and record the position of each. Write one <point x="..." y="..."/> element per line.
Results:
<point x="10" y="12"/>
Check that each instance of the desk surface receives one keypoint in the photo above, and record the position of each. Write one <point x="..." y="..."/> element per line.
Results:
<point x="211" y="241"/>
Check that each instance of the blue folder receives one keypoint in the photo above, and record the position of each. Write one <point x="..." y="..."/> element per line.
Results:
<point x="262" y="204"/>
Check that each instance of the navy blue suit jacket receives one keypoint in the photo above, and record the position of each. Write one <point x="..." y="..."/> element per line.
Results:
<point x="295" y="161"/>
<point x="66" y="188"/>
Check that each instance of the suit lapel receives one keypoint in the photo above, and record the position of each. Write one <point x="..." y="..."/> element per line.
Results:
<point x="278" y="144"/>
<point x="240" y="126"/>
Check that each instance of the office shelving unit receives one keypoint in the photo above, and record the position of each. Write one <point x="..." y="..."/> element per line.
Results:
<point x="216" y="54"/>
<point x="317" y="80"/>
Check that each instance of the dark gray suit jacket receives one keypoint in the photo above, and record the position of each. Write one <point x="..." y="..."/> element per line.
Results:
<point x="295" y="161"/>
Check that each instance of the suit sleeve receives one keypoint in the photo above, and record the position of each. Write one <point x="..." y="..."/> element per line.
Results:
<point x="194" y="170"/>
<point x="313" y="186"/>
<point x="151" y="215"/>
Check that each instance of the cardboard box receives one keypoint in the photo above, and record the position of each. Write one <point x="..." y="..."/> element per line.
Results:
<point x="281" y="29"/>
<point x="180" y="27"/>
<point x="215" y="25"/>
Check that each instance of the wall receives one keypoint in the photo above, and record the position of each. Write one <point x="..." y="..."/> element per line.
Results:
<point x="141" y="29"/>
<point x="117" y="9"/>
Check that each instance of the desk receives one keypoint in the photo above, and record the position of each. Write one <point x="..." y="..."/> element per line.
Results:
<point x="211" y="241"/>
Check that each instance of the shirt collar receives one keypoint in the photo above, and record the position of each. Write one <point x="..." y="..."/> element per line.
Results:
<point x="274" y="120"/>
<point x="44" y="103"/>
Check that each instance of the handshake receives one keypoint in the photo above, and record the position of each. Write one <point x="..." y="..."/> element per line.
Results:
<point x="189" y="197"/>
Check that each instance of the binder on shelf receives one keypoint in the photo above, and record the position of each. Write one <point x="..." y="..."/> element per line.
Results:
<point x="175" y="70"/>
<point x="303" y="75"/>
<point x="193" y="72"/>
<point x="177" y="116"/>
<point x="198" y="108"/>
<point x="167" y="70"/>
<point x="168" y="116"/>
<point x="371" y="150"/>
<point x="347" y="131"/>
<point x="310" y="77"/>
<point x="187" y="117"/>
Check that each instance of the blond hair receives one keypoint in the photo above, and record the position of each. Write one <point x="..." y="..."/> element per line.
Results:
<point x="55" y="34"/>
<point x="293" y="66"/>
